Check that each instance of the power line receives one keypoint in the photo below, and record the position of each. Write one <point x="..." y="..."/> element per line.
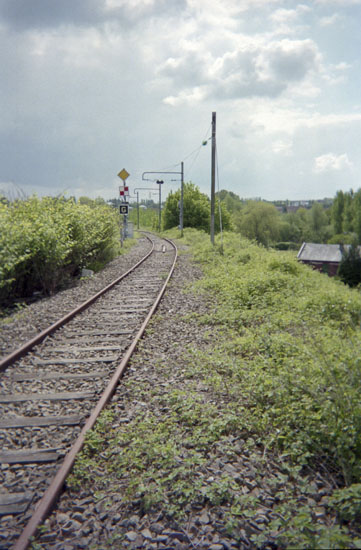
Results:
<point x="219" y="201"/>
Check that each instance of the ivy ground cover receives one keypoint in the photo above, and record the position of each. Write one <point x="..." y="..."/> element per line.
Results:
<point x="276" y="379"/>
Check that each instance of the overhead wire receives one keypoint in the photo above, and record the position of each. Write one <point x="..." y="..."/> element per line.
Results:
<point x="219" y="201"/>
<point x="204" y="142"/>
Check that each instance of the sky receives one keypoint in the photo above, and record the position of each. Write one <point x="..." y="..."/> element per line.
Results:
<point x="89" y="87"/>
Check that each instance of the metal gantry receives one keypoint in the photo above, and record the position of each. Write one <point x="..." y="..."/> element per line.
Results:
<point x="160" y="182"/>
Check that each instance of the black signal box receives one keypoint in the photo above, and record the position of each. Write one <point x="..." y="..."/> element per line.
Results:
<point x="124" y="208"/>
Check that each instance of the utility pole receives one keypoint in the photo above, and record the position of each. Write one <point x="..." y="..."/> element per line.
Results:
<point x="181" y="201"/>
<point x="213" y="175"/>
<point x="160" y="183"/>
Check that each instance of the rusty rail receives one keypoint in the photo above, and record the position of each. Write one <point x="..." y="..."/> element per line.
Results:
<point x="22" y="350"/>
<point x="50" y="496"/>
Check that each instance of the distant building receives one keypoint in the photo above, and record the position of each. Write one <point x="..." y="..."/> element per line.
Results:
<point x="323" y="257"/>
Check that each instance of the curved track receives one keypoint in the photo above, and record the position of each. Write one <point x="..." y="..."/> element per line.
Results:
<point x="54" y="387"/>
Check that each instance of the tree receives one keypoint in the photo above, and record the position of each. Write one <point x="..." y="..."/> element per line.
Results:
<point x="357" y="214"/>
<point x="231" y="201"/>
<point x="349" y="269"/>
<point x="196" y="210"/>
<point x="318" y="224"/>
<point x="337" y="212"/>
<point x="259" y="221"/>
<point x="347" y="223"/>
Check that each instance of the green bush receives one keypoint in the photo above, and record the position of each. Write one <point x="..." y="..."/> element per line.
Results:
<point x="45" y="241"/>
<point x="349" y="269"/>
<point x="291" y="350"/>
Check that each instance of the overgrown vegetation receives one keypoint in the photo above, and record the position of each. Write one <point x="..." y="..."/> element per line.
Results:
<point x="282" y="378"/>
<point x="197" y="210"/>
<point x="349" y="269"/>
<point x="45" y="241"/>
<point x="332" y="222"/>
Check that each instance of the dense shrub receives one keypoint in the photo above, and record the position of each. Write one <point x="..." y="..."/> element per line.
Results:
<point x="349" y="269"/>
<point x="287" y="246"/>
<point x="291" y="350"/>
<point x="45" y="241"/>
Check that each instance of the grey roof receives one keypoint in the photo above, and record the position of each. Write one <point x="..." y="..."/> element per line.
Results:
<point x="312" y="252"/>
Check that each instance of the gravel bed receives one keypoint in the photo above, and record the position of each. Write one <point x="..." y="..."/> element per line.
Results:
<point x="88" y="519"/>
<point x="17" y="478"/>
<point x="20" y="327"/>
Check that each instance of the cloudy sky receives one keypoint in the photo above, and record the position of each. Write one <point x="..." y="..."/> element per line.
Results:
<point x="88" y="87"/>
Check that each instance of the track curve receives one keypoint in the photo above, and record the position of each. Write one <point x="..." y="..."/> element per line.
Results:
<point x="63" y="359"/>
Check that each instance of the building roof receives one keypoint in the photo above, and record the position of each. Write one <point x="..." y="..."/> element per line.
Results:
<point x="312" y="252"/>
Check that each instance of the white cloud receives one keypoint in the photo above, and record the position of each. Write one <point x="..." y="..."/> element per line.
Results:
<point x="285" y="16"/>
<point x="90" y="86"/>
<point x="273" y="119"/>
<point x="342" y="3"/>
<point x="254" y="68"/>
<point x="282" y="147"/>
<point x="331" y="163"/>
<point x="193" y="96"/>
<point x="327" y="21"/>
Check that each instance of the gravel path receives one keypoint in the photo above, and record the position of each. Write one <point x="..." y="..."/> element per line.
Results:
<point x="104" y="513"/>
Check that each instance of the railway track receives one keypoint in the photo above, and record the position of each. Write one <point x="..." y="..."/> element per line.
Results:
<point x="53" y="388"/>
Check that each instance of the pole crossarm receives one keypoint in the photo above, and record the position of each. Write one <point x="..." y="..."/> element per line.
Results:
<point x="181" y="173"/>
<point x="158" y="172"/>
<point x="145" y="189"/>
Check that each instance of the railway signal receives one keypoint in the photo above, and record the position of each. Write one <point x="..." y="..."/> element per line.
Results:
<point x="124" y="206"/>
<point x="123" y="190"/>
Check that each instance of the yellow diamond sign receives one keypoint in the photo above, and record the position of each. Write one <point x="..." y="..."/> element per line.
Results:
<point x="123" y="174"/>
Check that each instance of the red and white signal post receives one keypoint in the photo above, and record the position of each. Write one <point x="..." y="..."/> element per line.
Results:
<point x="124" y="206"/>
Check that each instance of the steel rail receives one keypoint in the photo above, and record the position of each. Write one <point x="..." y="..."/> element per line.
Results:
<point x="22" y="350"/>
<point x="50" y="496"/>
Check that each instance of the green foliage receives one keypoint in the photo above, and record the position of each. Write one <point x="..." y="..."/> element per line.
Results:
<point x="279" y="375"/>
<point x="148" y="217"/>
<point x="45" y="241"/>
<point x="259" y="221"/>
<point x="294" y="351"/>
<point x="286" y="246"/>
<point x="196" y="210"/>
<point x="347" y="502"/>
<point x="346" y="213"/>
<point x="349" y="269"/>
<point x="231" y="201"/>
<point x="342" y="238"/>
<point x="319" y="223"/>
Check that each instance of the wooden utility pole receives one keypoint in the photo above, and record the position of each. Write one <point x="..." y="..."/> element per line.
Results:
<point x="181" y="221"/>
<point x="213" y="175"/>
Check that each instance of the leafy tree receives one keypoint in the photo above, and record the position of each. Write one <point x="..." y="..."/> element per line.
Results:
<point x="357" y="214"/>
<point x="259" y="221"/>
<point x="231" y="201"/>
<point x="318" y="223"/>
<point x="342" y="238"/>
<point x="196" y="210"/>
<point x="347" y="223"/>
<point x="225" y="217"/>
<point x="350" y="266"/>
<point x="290" y="231"/>
<point x="337" y="211"/>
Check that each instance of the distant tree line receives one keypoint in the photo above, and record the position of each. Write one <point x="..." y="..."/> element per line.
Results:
<point x="336" y="223"/>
